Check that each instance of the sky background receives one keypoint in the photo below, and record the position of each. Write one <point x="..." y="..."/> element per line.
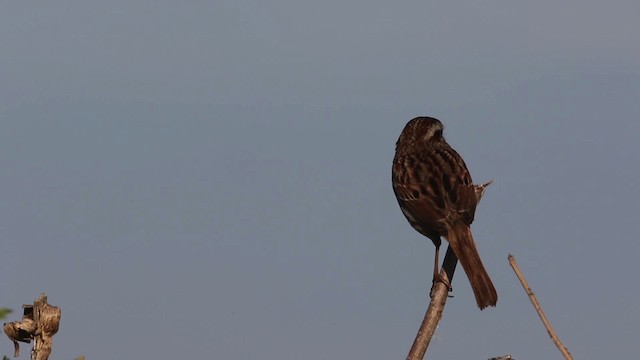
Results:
<point x="211" y="179"/>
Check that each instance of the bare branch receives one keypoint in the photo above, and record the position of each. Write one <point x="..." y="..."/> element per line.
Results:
<point x="440" y="293"/>
<point x="565" y="352"/>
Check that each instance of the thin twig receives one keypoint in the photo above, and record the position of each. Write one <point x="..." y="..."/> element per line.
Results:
<point x="565" y="352"/>
<point x="436" y="307"/>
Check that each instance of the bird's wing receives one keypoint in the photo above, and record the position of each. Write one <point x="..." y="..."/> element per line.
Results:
<point x="422" y="208"/>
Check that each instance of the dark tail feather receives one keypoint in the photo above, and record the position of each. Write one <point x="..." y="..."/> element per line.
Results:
<point x="461" y="241"/>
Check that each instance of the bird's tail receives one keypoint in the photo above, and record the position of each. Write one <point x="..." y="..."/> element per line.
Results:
<point x="461" y="241"/>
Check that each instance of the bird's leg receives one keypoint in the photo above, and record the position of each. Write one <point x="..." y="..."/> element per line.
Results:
<point x="436" y="274"/>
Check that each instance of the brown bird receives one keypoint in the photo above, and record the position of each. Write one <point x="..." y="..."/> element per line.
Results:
<point x="437" y="196"/>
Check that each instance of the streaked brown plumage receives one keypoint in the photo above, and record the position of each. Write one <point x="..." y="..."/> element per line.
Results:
<point x="437" y="196"/>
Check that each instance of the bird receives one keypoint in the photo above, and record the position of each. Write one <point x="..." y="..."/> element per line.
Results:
<point x="437" y="196"/>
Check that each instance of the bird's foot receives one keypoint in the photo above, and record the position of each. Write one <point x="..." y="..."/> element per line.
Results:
<point x="440" y="279"/>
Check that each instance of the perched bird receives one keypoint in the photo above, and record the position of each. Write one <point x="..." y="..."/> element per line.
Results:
<point x="437" y="196"/>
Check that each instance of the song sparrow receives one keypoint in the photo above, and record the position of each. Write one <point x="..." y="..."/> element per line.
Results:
<point x="437" y="196"/>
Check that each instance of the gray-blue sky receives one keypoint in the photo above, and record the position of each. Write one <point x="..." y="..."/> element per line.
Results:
<point x="212" y="179"/>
